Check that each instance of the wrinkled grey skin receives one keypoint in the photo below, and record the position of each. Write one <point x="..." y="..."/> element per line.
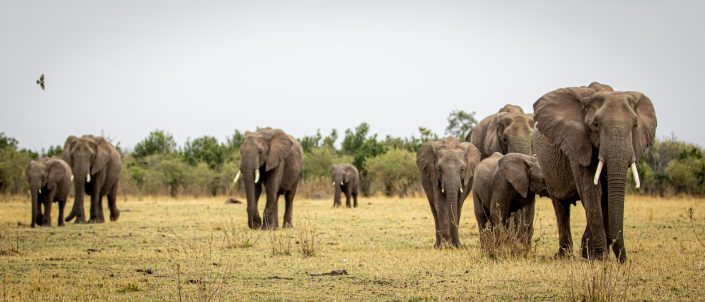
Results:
<point x="447" y="168"/>
<point x="505" y="186"/>
<point x="346" y="178"/>
<point x="94" y="156"/>
<point x="49" y="181"/>
<point x="278" y="157"/>
<point x="576" y="128"/>
<point x="508" y="131"/>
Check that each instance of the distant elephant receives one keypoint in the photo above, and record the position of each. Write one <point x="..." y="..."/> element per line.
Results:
<point x="506" y="185"/>
<point x="447" y="168"/>
<point x="508" y="131"/>
<point x="96" y="166"/>
<point x="49" y="181"/>
<point x="580" y="131"/>
<point x="273" y="159"/>
<point x="346" y="178"/>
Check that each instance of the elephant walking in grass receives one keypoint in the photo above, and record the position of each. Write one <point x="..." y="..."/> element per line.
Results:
<point x="49" y="181"/>
<point x="586" y="140"/>
<point x="447" y="168"/>
<point x="507" y="131"/>
<point x="505" y="186"/>
<point x="96" y="166"/>
<point x="271" y="159"/>
<point x="346" y="178"/>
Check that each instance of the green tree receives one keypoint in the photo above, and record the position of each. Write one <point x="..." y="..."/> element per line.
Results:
<point x="329" y="141"/>
<point x="157" y="142"/>
<point x="205" y="149"/>
<point x="394" y="172"/>
<point x="234" y="141"/>
<point x="309" y="143"/>
<point x="460" y="123"/>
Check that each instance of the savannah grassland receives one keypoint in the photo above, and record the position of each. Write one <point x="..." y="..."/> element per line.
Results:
<point x="201" y="250"/>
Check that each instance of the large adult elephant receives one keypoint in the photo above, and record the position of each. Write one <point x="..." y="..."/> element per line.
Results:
<point x="586" y="139"/>
<point x="96" y="166"/>
<point x="447" y="169"/>
<point x="271" y="159"/>
<point x="507" y="131"/>
<point x="346" y="179"/>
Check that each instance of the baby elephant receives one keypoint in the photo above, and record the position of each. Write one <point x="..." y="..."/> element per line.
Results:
<point x="346" y="179"/>
<point x="49" y="180"/>
<point x="506" y="185"/>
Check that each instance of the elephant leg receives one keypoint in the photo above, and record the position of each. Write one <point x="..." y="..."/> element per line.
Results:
<point x="454" y="227"/>
<point x="482" y="217"/>
<point x="347" y="197"/>
<point x="112" y="204"/>
<point x="289" y="210"/>
<point x="46" y="217"/>
<point x="99" y="211"/>
<point x="565" y="240"/>
<point x="271" y="209"/>
<point x="95" y="198"/>
<point x="526" y="223"/>
<point x="354" y="195"/>
<point x="595" y="240"/>
<point x="436" y="225"/>
<point x="62" y="205"/>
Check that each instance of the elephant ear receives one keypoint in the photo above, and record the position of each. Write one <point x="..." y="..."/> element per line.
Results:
<point x="68" y="146"/>
<point x="559" y="117"/>
<point x="515" y="170"/>
<point x="510" y="108"/>
<point x="643" y="136"/>
<point x="102" y="155"/>
<point x="491" y="142"/>
<point x="472" y="156"/>
<point x="279" y="148"/>
<point x="426" y="161"/>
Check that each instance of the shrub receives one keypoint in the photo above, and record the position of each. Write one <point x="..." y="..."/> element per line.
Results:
<point x="394" y="172"/>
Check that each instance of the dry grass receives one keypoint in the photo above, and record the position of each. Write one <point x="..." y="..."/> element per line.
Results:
<point x="177" y="249"/>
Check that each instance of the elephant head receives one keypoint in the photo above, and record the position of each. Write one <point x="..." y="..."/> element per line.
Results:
<point x="508" y="131"/>
<point x="87" y="156"/>
<point x="448" y="165"/>
<point x="523" y="173"/>
<point x="262" y="151"/>
<point x="597" y="127"/>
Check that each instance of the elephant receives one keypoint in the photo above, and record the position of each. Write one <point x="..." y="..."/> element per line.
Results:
<point x="49" y="181"/>
<point x="96" y="166"/>
<point x="273" y="159"/>
<point x="507" y="131"/>
<point x="346" y="178"/>
<point x="580" y="132"/>
<point x="447" y="168"/>
<point x="506" y="186"/>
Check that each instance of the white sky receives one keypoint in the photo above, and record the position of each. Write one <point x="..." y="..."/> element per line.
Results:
<point x="195" y="68"/>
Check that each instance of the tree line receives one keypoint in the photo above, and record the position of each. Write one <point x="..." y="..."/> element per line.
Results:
<point x="204" y="166"/>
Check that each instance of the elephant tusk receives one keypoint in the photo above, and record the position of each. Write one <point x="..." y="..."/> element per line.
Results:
<point x="636" y="175"/>
<point x="334" y="183"/>
<point x="40" y="191"/>
<point x="72" y="177"/>
<point x="256" y="175"/>
<point x="443" y="190"/>
<point x="237" y="176"/>
<point x="88" y="177"/>
<point x="597" y="172"/>
<point x="461" y="190"/>
<point x="341" y="182"/>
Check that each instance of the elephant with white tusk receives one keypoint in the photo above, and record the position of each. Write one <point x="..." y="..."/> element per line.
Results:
<point x="49" y="181"/>
<point x="271" y="159"/>
<point x="586" y="139"/>
<point x="346" y="179"/>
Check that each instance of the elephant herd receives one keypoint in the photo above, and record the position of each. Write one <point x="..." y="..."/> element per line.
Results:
<point x="579" y="144"/>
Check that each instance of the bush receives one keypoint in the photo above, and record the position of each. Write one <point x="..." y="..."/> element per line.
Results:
<point x="394" y="172"/>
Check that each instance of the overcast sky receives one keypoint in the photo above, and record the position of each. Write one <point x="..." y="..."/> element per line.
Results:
<point x="195" y="68"/>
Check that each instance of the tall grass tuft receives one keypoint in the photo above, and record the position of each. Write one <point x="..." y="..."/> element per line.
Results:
<point x="506" y="241"/>
<point x="239" y="237"/>
<point x="599" y="281"/>
<point x="280" y="242"/>
<point x="307" y="236"/>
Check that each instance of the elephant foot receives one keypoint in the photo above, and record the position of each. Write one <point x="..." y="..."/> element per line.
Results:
<point x="563" y="253"/>
<point x="256" y="223"/>
<point x="114" y="216"/>
<point x="348" y="206"/>
<point x="61" y="224"/>
<point x="46" y="224"/>
<point x="80" y="220"/>
<point x="94" y="221"/>
<point x="288" y="225"/>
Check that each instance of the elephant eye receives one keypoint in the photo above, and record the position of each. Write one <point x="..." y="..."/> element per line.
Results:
<point x="595" y="124"/>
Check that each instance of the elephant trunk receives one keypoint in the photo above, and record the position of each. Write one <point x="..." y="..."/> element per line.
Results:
<point x="523" y="147"/>
<point x="248" y="176"/>
<point x="34" y="192"/>
<point x="616" y="178"/>
<point x="338" y="188"/>
<point x="450" y="213"/>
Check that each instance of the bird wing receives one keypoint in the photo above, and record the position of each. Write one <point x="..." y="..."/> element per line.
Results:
<point x="41" y="78"/>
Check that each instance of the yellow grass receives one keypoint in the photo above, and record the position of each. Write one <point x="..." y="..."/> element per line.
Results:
<point x="201" y="250"/>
